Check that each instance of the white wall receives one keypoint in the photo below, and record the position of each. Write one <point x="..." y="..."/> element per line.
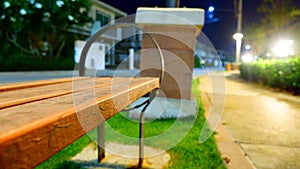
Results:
<point x="95" y="58"/>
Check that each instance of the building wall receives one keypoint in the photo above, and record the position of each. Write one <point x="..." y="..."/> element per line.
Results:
<point x="107" y="41"/>
<point x="95" y="58"/>
<point x="96" y="7"/>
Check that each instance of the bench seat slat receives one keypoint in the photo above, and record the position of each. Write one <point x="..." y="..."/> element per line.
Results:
<point x="33" y="132"/>
<point x="23" y="85"/>
<point x="16" y="97"/>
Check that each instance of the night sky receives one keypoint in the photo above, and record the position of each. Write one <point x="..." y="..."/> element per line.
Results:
<point x="219" y="33"/>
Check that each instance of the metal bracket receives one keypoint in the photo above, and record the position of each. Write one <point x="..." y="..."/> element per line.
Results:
<point x="94" y="38"/>
<point x="146" y="103"/>
<point x="141" y="135"/>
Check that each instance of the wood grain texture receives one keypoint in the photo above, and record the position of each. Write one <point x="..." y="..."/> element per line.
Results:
<point x="21" y="96"/>
<point x="31" y="133"/>
<point x="23" y="85"/>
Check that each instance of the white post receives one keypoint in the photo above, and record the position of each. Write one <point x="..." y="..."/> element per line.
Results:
<point x="238" y="37"/>
<point x="113" y="53"/>
<point x="131" y="59"/>
<point x="239" y="30"/>
<point x="238" y="50"/>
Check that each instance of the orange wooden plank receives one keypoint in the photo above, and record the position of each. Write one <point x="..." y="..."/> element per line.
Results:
<point x="23" y="85"/>
<point x="16" y="97"/>
<point x="33" y="132"/>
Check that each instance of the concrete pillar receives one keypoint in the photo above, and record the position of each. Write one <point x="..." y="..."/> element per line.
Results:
<point x="175" y="30"/>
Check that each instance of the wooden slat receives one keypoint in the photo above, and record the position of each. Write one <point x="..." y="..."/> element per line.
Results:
<point x="23" y="85"/>
<point x="16" y="97"/>
<point x="33" y="132"/>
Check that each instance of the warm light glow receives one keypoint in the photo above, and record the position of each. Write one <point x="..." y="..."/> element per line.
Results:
<point x="248" y="47"/>
<point x="211" y="9"/>
<point x="292" y="53"/>
<point x="247" y="58"/>
<point x="269" y="54"/>
<point x="238" y="36"/>
<point x="283" y="48"/>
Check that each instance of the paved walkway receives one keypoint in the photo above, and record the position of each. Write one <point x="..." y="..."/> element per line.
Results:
<point x="260" y="128"/>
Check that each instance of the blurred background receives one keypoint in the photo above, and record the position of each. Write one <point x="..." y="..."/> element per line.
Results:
<point x="42" y="35"/>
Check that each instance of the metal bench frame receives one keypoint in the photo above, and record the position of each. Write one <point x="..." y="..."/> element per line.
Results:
<point x="152" y="95"/>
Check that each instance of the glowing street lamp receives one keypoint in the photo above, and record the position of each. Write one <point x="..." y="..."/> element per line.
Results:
<point x="210" y="12"/>
<point x="248" y="47"/>
<point x="248" y="58"/>
<point x="283" y="48"/>
<point x="269" y="54"/>
<point x="238" y="37"/>
<point x="211" y="9"/>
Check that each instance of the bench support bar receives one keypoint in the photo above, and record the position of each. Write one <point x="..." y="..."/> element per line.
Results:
<point x="101" y="142"/>
<point x="101" y="131"/>
<point x="141" y="143"/>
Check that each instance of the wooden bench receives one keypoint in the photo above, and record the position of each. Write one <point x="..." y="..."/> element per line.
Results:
<point x="38" y="119"/>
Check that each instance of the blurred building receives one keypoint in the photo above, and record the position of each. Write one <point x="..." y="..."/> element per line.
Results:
<point x="207" y="55"/>
<point x="115" y="44"/>
<point x="102" y="14"/>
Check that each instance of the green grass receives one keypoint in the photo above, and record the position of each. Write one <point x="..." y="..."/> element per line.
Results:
<point x="188" y="153"/>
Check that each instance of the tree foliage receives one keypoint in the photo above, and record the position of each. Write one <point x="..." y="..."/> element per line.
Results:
<point x="279" y="18"/>
<point x="295" y="12"/>
<point x="277" y="14"/>
<point x="40" y="27"/>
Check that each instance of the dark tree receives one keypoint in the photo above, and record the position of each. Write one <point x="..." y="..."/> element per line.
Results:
<point x="41" y="27"/>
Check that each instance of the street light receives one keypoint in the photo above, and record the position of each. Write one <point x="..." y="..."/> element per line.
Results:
<point x="283" y="48"/>
<point x="248" y="47"/>
<point x="210" y="12"/>
<point x="248" y="58"/>
<point x="211" y="9"/>
<point x="238" y="37"/>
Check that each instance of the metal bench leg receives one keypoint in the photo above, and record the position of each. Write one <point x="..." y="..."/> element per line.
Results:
<point x="141" y="142"/>
<point x="101" y="142"/>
